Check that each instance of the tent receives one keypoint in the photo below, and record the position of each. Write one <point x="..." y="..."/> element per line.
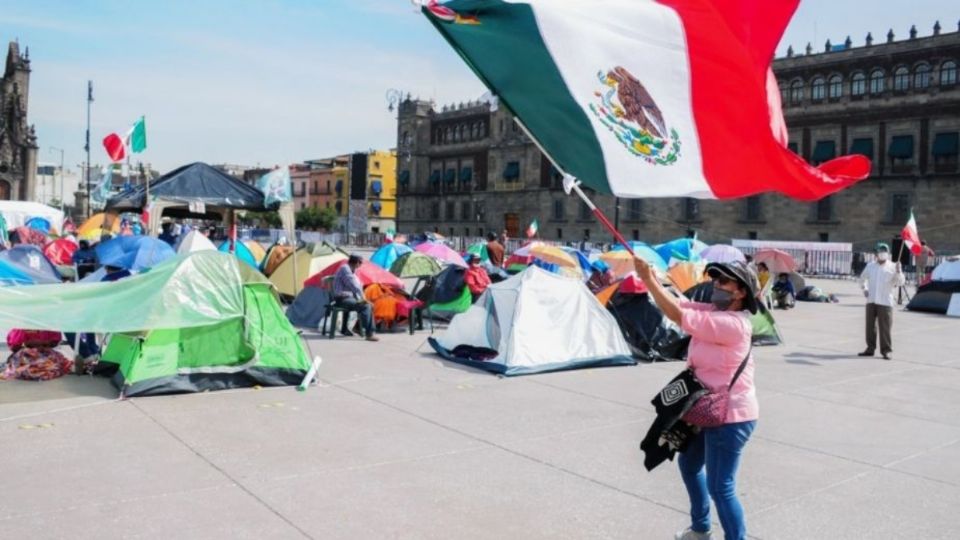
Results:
<point x="256" y="250"/>
<point x="133" y="252"/>
<point x="935" y="295"/>
<point x="681" y="249"/>
<point x="18" y="214"/>
<point x="722" y="253"/>
<point x="765" y="329"/>
<point x="480" y="250"/>
<point x="26" y="265"/>
<point x="415" y="265"/>
<point x="275" y="255"/>
<point x="28" y="235"/>
<point x="310" y="260"/>
<point x="92" y="228"/>
<point x="651" y="336"/>
<point x="241" y="251"/>
<point x="200" y="321"/>
<point x="309" y="308"/>
<point x="368" y="274"/>
<point x="531" y="323"/>
<point x="195" y="241"/>
<point x="388" y="254"/>
<point x="441" y="252"/>
<point x="60" y="251"/>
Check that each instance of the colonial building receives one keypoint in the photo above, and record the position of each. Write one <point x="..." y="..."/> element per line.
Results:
<point x="466" y="169"/>
<point x="18" y="141"/>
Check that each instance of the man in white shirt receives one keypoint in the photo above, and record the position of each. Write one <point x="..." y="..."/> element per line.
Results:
<point x="880" y="279"/>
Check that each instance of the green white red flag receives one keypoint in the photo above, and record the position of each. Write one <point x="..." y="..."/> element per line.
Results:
<point x="533" y="228"/>
<point x="644" y="98"/>
<point x="911" y="237"/>
<point x="135" y="139"/>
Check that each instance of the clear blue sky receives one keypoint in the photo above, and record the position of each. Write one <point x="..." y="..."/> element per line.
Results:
<point x="279" y="81"/>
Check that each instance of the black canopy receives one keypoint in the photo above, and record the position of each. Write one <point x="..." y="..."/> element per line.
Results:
<point x="193" y="183"/>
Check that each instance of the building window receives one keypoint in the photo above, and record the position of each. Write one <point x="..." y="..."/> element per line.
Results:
<point x="946" y="146"/>
<point x="793" y="147"/>
<point x="823" y="151"/>
<point x="948" y="73"/>
<point x="858" y="84"/>
<point x="559" y="212"/>
<point x="511" y="173"/>
<point x="796" y="92"/>
<point x="862" y="146"/>
<point x="635" y="234"/>
<point x="752" y="235"/>
<point x="824" y="209"/>
<point x="435" y="210"/>
<point x="876" y="82"/>
<point x="634" y="209"/>
<point x="691" y="209"/>
<point x="901" y="79"/>
<point x="899" y="207"/>
<point x="752" y="211"/>
<point x="559" y="234"/>
<point x="451" y="211"/>
<point x="466" y="231"/>
<point x="784" y="91"/>
<point x="835" y="87"/>
<point x="818" y="89"/>
<point x="824" y="237"/>
<point x="465" y="211"/>
<point x="481" y="209"/>
<point x="584" y="212"/>
<point x="921" y="77"/>
<point x="901" y="153"/>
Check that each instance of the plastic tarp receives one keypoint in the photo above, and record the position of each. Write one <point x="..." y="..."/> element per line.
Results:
<point x="190" y="290"/>
<point x="18" y="213"/>
<point x="26" y="265"/>
<point x="537" y="322"/>
<point x="193" y="183"/>
<point x="388" y="254"/>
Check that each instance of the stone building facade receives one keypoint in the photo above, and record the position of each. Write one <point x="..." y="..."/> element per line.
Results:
<point x="18" y="141"/>
<point x="466" y="169"/>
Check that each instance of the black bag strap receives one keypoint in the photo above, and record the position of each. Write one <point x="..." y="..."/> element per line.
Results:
<point x="740" y="369"/>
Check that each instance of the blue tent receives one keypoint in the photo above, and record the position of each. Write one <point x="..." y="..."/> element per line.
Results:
<point x="26" y="265"/>
<point x="682" y="249"/>
<point x="388" y="254"/>
<point x="581" y="259"/>
<point x="646" y="253"/>
<point x="241" y="251"/>
<point x="133" y="252"/>
<point x="39" y="224"/>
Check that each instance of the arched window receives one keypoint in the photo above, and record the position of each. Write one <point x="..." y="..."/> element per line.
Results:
<point x="475" y="131"/>
<point x="784" y="91"/>
<point x="948" y="73"/>
<point x="921" y="77"/>
<point x="447" y="135"/>
<point x="901" y="79"/>
<point x="858" y="84"/>
<point x="796" y="92"/>
<point x="818" y="89"/>
<point x="876" y="82"/>
<point x="439" y="136"/>
<point x="835" y="87"/>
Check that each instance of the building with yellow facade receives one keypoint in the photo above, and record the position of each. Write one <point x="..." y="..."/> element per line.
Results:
<point x="375" y="209"/>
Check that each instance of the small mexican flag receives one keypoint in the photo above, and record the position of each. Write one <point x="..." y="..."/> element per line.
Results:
<point x="533" y="228"/>
<point x="137" y="136"/>
<point x="911" y="237"/>
<point x="135" y="139"/>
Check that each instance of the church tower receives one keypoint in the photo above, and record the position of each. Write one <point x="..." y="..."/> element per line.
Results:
<point x="18" y="140"/>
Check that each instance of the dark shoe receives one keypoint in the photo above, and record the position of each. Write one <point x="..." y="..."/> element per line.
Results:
<point x="865" y="353"/>
<point x="888" y="356"/>
<point x="348" y="333"/>
<point x="372" y="337"/>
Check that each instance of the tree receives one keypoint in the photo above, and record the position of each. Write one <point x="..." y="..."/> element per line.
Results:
<point x="316" y="218"/>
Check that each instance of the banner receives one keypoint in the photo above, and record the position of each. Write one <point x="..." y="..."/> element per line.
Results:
<point x="276" y="186"/>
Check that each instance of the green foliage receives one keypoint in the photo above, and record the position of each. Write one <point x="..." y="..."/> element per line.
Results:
<point x="262" y="219"/>
<point x="316" y="218"/>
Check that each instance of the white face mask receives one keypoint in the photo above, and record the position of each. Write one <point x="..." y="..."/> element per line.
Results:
<point x="883" y="256"/>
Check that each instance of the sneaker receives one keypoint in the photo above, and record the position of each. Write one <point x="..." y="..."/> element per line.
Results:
<point x="372" y="337"/>
<point x="348" y="333"/>
<point x="690" y="534"/>
<point x="865" y="353"/>
<point x="888" y="356"/>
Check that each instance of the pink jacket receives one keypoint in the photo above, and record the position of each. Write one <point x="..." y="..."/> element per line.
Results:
<point x="719" y="341"/>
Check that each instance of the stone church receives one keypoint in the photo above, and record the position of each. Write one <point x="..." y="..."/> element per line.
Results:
<point x="18" y="141"/>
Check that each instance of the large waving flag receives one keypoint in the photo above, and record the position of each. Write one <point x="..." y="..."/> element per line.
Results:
<point x="276" y="186"/>
<point x="644" y="98"/>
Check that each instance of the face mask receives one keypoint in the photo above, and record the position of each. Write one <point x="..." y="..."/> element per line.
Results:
<point x="721" y="299"/>
<point x="883" y="256"/>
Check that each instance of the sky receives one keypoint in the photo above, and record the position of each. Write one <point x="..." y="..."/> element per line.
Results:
<point x="269" y="82"/>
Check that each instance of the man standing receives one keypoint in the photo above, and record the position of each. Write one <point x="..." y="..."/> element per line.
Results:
<point x="879" y="281"/>
<point x="923" y="261"/>
<point x="495" y="250"/>
<point x="348" y="293"/>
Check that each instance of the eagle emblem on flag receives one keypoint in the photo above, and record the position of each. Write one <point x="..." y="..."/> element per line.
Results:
<point x="626" y="108"/>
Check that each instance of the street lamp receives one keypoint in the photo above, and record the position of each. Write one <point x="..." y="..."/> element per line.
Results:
<point x="55" y="149"/>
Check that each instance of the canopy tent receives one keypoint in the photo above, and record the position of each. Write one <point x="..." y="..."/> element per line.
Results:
<point x="765" y="329"/>
<point x="133" y="252"/>
<point x="534" y="322"/>
<point x="195" y="241"/>
<point x="198" y="322"/>
<point x="26" y="265"/>
<point x="19" y="213"/>
<point x="241" y="251"/>
<point x="388" y="254"/>
<point x="415" y="265"/>
<point x="309" y="260"/>
<point x="93" y="228"/>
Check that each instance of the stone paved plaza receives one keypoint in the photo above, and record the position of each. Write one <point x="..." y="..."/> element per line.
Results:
<point x="396" y="443"/>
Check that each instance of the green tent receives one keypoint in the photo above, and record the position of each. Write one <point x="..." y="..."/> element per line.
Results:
<point x="480" y="250"/>
<point x="415" y="264"/>
<point x="765" y="330"/>
<point x="199" y="321"/>
<point x="458" y="305"/>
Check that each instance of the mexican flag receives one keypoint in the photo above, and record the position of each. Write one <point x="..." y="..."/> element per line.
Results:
<point x="533" y="228"/>
<point x="135" y="139"/>
<point x="910" y="236"/>
<point x="643" y="98"/>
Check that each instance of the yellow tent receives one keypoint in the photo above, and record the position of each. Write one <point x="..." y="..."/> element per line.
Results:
<point x="91" y="230"/>
<point x="256" y="250"/>
<point x="309" y="260"/>
<point x="685" y="275"/>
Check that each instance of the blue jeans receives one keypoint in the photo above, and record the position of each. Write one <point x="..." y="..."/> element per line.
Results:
<point x="364" y="312"/>
<point x="718" y="450"/>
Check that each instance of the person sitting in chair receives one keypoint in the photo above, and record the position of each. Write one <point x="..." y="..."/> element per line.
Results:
<point x="476" y="277"/>
<point x="783" y="292"/>
<point x="348" y="293"/>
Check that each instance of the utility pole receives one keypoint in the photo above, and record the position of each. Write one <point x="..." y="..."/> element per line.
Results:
<point x="54" y="149"/>
<point x="86" y="170"/>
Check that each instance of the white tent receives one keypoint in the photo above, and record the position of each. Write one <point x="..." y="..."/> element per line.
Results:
<point x="195" y="241"/>
<point x="947" y="271"/>
<point x="536" y="321"/>
<point x="17" y="213"/>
